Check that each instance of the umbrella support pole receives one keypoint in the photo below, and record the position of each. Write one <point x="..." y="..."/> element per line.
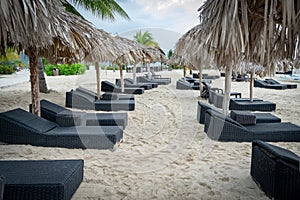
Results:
<point x="98" y="79"/>
<point x="200" y="82"/>
<point x="121" y="78"/>
<point x="134" y="74"/>
<point x="34" y="79"/>
<point x="226" y="98"/>
<point x="251" y="85"/>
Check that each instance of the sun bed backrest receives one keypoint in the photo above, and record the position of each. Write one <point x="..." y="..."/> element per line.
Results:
<point x="85" y="96"/>
<point x="87" y="92"/>
<point x="215" y="113"/>
<point x="129" y="80"/>
<point x="27" y="120"/>
<point x="52" y="107"/>
<point x="279" y="152"/>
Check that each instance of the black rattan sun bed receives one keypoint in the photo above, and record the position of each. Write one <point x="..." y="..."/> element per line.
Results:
<point x="269" y="85"/>
<point x="217" y="126"/>
<point x="77" y="99"/>
<point x="275" y="170"/>
<point x="255" y="105"/>
<point x="182" y="84"/>
<point x="130" y="80"/>
<point x="65" y="117"/>
<point x="162" y="81"/>
<point x="41" y="179"/>
<point x="289" y="86"/>
<point x="261" y="117"/>
<point x="107" y="86"/>
<point x="128" y="84"/>
<point x="21" y="127"/>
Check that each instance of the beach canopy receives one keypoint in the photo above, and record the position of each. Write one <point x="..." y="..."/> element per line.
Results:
<point x="260" y="32"/>
<point x="44" y="28"/>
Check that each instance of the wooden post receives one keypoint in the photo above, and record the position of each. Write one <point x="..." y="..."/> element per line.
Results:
<point x="148" y="70"/>
<point x="251" y="85"/>
<point x="226" y="99"/>
<point x="191" y="72"/>
<point x="200" y="82"/>
<point x="184" y="72"/>
<point x="97" y="68"/>
<point x="134" y="74"/>
<point x="34" y="79"/>
<point x="121" y="79"/>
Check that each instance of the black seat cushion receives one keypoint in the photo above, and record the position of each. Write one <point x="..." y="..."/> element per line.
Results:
<point x="29" y="120"/>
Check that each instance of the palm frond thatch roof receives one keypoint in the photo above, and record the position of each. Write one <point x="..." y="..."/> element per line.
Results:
<point x="259" y="31"/>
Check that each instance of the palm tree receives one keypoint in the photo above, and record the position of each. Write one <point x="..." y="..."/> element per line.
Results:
<point x="145" y="39"/>
<point x="106" y="9"/>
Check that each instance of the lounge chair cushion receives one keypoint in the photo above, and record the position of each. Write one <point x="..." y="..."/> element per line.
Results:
<point x="29" y="121"/>
<point x="243" y="117"/>
<point x="41" y="179"/>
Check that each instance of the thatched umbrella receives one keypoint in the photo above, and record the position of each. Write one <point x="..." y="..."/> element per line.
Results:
<point x="257" y="31"/>
<point x="41" y="26"/>
<point x="190" y="52"/>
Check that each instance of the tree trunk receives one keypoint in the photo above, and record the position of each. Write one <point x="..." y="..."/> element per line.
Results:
<point x="226" y="99"/>
<point x="34" y="79"/>
<point x="98" y="79"/>
<point x="251" y="85"/>
<point x="42" y="81"/>
<point x="121" y="79"/>
<point x="184" y="72"/>
<point x="134" y="74"/>
<point x="200" y="82"/>
<point x="191" y="72"/>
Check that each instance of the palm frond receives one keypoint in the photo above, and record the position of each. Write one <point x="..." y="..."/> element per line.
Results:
<point x="106" y="9"/>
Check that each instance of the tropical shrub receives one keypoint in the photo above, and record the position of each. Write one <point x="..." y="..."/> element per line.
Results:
<point x="6" y="69"/>
<point x="66" y="69"/>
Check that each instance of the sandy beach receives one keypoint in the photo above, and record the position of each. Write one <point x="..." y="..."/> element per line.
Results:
<point x="165" y="153"/>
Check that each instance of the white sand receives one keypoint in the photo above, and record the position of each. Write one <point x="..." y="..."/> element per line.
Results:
<point x="165" y="153"/>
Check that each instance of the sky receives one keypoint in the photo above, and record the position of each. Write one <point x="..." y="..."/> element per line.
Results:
<point x="175" y="17"/>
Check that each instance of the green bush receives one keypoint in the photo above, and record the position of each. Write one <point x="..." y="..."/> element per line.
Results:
<point x="65" y="69"/>
<point x="49" y="69"/>
<point x="6" y="69"/>
<point x="176" y="67"/>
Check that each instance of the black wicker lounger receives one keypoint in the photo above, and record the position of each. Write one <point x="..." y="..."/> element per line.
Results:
<point x="276" y="171"/>
<point x="182" y="84"/>
<point x="260" y="117"/>
<point x="289" y="86"/>
<point x="41" y="179"/>
<point x="269" y="85"/>
<point x="75" y="99"/>
<point x="256" y="105"/>
<point x="21" y="127"/>
<point x="143" y="79"/>
<point x="128" y="84"/>
<point x="65" y="117"/>
<point x="107" y="86"/>
<point x="222" y="128"/>
<point x="130" y="80"/>
<point x="106" y="95"/>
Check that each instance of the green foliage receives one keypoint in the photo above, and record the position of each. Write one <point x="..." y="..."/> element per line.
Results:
<point x="176" y="67"/>
<point x="11" y="60"/>
<point x="4" y="69"/>
<point x="106" y="9"/>
<point x="170" y="53"/>
<point x="65" y="69"/>
<point x="145" y="39"/>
